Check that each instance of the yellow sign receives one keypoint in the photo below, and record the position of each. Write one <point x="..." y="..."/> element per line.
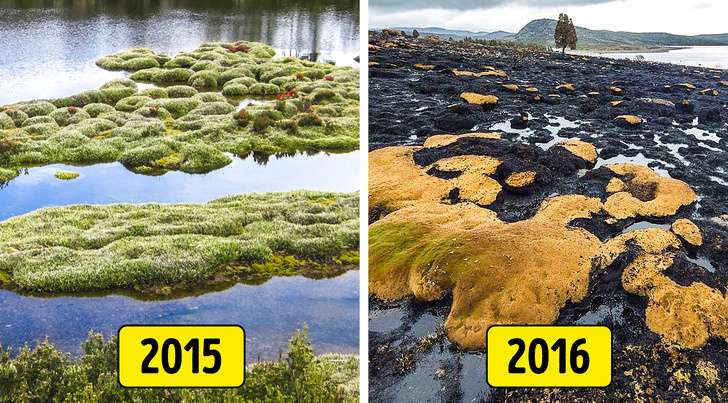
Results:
<point x="549" y="356"/>
<point x="167" y="356"/>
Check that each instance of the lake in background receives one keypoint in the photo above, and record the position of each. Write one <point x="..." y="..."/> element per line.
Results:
<point x="701" y="56"/>
<point x="49" y="52"/>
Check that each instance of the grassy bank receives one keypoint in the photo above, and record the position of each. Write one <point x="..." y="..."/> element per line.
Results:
<point x="158" y="247"/>
<point x="191" y="119"/>
<point x="45" y="374"/>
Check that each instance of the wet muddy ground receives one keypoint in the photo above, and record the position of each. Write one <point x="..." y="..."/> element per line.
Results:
<point x="682" y="134"/>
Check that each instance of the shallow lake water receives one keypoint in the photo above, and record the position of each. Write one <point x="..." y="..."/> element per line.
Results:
<point x="113" y="183"/>
<point x="704" y="56"/>
<point x="270" y="313"/>
<point x="49" y="51"/>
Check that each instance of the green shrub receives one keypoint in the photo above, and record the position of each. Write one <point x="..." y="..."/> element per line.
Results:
<point x="68" y="116"/>
<point x="146" y="74"/>
<point x="235" y="90"/>
<point x="264" y="89"/>
<point x="176" y="106"/>
<point x="243" y="118"/>
<point x="309" y="119"/>
<point x="205" y="65"/>
<point x="234" y="73"/>
<point x="181" y="91"/>
<point x="178" y="75"/>
<point x="154" y="111"/>
<point x="66" y="175"/>
<point x="45" y="374"/>
<point x="155" y="93"/>
<point x="17" y="115"/>
<point x="210" y="97"/>
<point x="140" y="63"/>
<point x="110" y="63"/>
<point x="130" y="104"/>
<point x="213" y="108"/>
<point x="97" y="247"/>
<point x="120" y="82"/>
<point x="115" y="94"/>
<point x="36" y="108"/>
<point x="323" y="96"/>
<point x="6" y="122"/>
<point x="180" y="61"/>
<point x="200" y="157"/>
<point x="80" y="100"/>
<point x="262" y="51"/>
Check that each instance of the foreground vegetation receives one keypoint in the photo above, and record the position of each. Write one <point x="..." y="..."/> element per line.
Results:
<point x="191" y="120"/>
<point x="158" y="247"/>
<point x="45" y="374"/>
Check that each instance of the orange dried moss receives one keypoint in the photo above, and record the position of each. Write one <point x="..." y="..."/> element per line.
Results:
<point x="667" y="194"/>
<point x="479" y="99"/>
<point x="526" y="271"/>
<point x="521" y="179"/>
<point x="581" y="149"/>
<point x="688" y="231"/>
<point x="395" y="181"/>
<point x="440" y="140"/>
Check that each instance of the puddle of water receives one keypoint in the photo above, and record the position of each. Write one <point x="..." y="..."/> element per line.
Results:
<point x="113" y="183"/>
<point x="645" y="225"/>
<point x="673" y="149"/>
<point x="718" y="180"/>
<point x="472" y="378"/>
<point x="702" y="262"/>
<point x="422" y="384"/>
<point x="385" y="320"/>
<point x="270" y="313"/>
<point x="701" y="144"/>
<point x="702" y="134"/>
<point x="638" y="159"/>
<point x="601" y="314"/>
<point x="426" y="324"/>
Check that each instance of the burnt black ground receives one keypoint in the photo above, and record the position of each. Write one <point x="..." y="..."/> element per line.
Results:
<point x="408" y="105"/>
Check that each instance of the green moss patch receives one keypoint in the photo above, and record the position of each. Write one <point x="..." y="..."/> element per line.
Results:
<point x="305" y="106"/>
<point x="152" y="246"/>
<point x="66" y="176"/>
<point x="298" y="376"/>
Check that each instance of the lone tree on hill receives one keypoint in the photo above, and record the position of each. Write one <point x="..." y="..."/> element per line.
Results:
<point x="565" y="33"/>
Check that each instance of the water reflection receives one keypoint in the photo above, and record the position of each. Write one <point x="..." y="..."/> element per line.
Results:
<point x="270" y="313"/>
<point x="112" y="183"/>
<point x="37" y="64"/>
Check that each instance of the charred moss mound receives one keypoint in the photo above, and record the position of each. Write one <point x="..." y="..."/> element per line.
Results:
<point x="153" y="248"/>
<point x="488" y="212"/>
<point x="195" y="122"/>
<point x="299" y="375"/>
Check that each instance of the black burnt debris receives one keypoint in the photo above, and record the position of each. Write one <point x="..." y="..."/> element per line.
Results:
<point x="673" y="119"/>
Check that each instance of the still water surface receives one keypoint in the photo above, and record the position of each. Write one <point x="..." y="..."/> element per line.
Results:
<point x="703" y="56"/>
<point x="270" y="313"/>
<point x="113" y="183"/>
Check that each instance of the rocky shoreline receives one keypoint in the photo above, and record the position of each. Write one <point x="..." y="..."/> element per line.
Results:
<point x="667" y="117"/>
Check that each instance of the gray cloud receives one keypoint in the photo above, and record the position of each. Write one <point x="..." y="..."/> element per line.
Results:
<point x="402" y="5"/>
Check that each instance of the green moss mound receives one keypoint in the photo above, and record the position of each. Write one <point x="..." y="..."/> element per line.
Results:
<point x="66" y="175"/>
<point x="45" y="374"/>
<point x="152" y="247"/>
<point x="301" y="106"/>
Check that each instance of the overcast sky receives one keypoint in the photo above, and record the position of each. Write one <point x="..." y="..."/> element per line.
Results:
<point x="687" y="17"/>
